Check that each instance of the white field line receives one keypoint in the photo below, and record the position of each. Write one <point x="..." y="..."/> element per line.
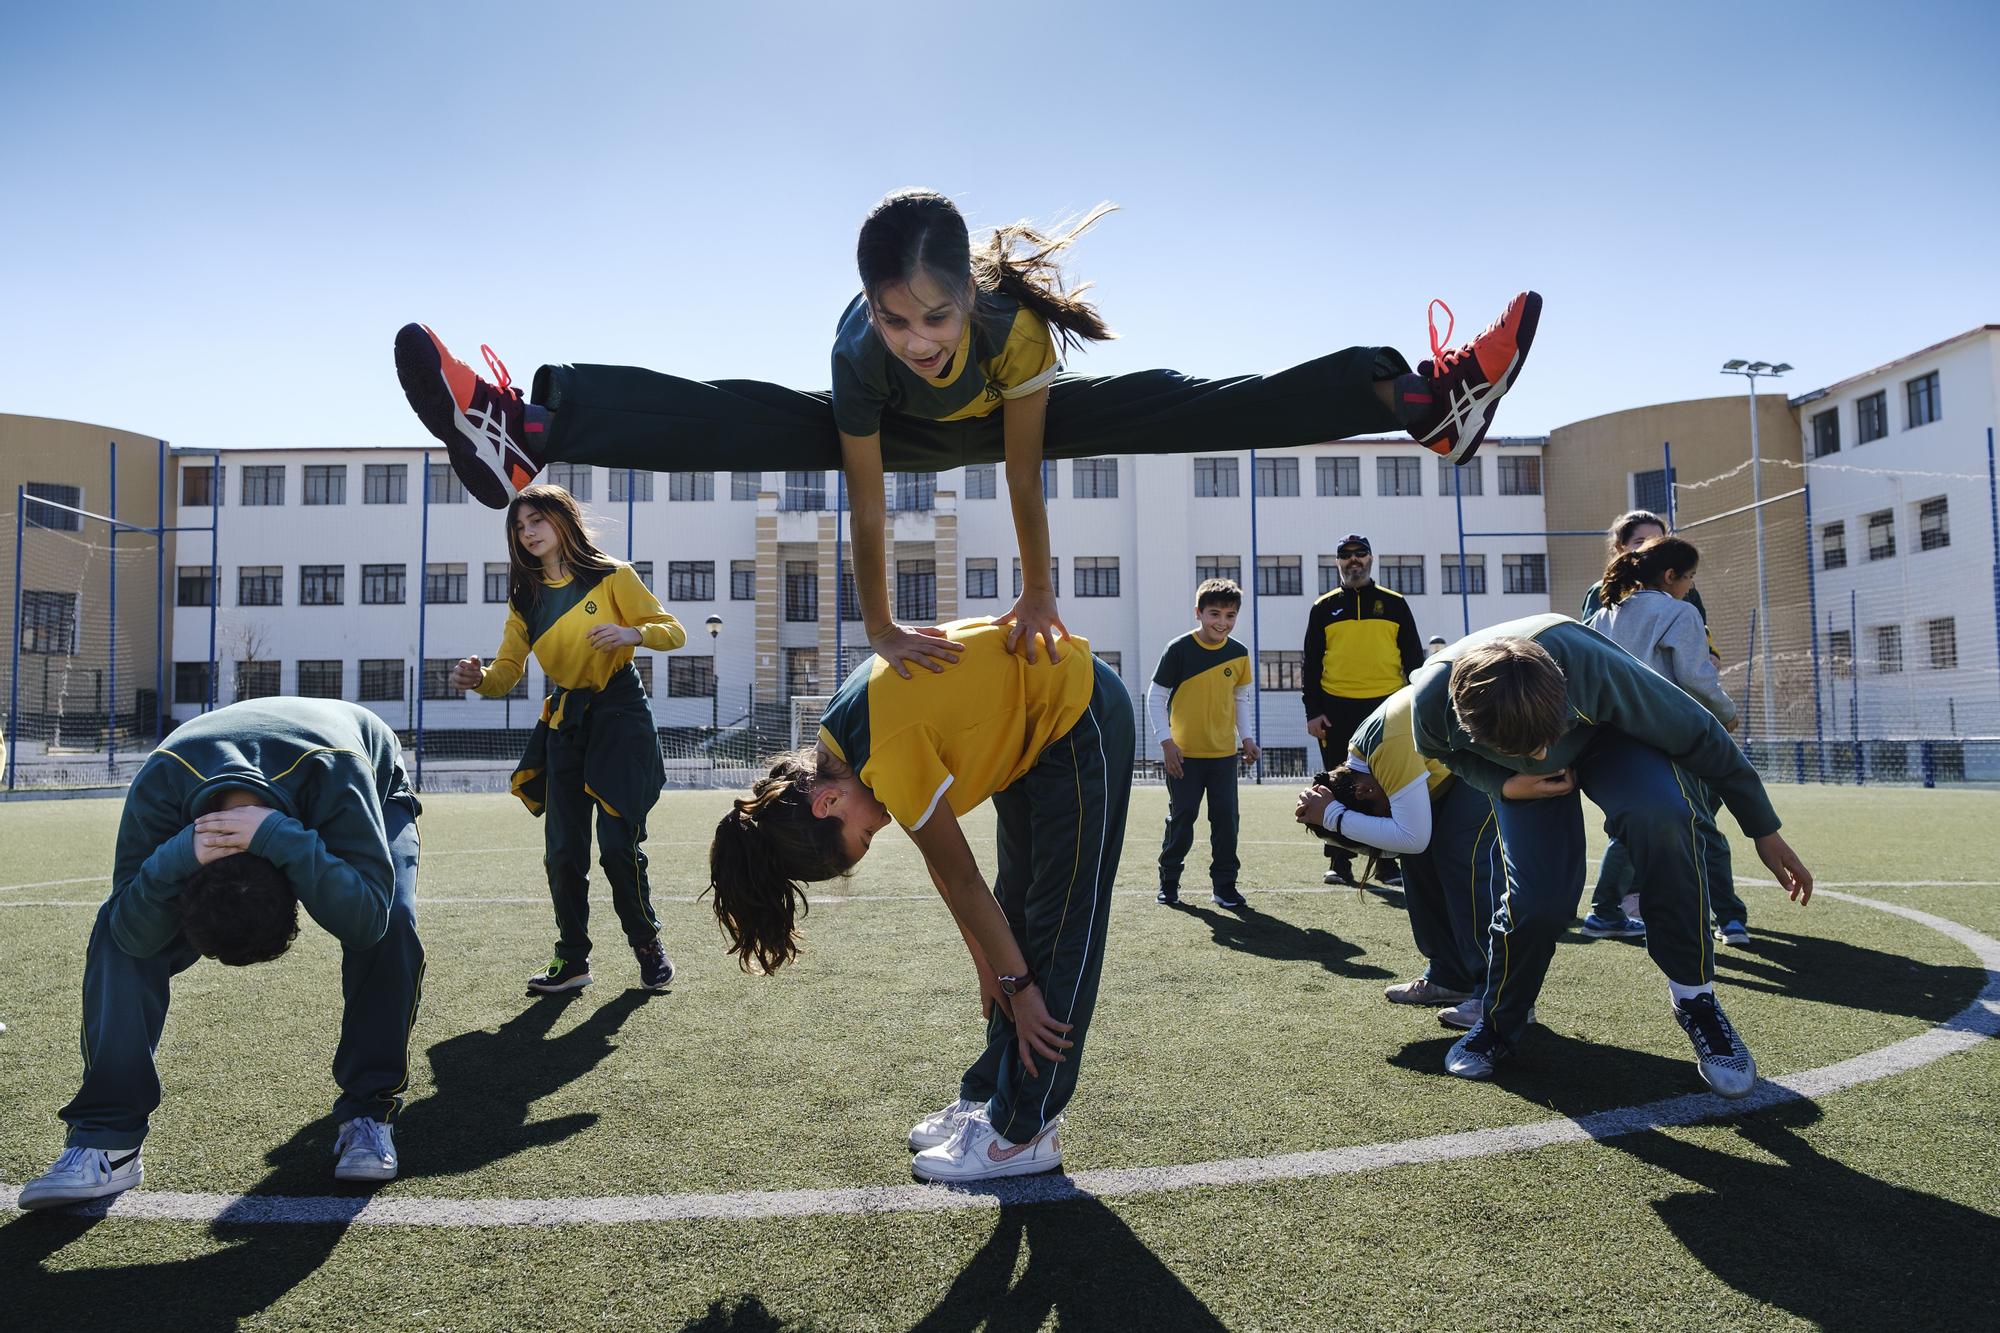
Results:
<point x="1964" y="1030"/>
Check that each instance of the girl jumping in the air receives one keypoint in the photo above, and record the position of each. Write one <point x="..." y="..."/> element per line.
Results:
<point x="582" y="613"/>
<point x="949" y="356"/>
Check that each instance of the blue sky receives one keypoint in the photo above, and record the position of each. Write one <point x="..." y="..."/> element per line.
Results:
<point x="220" y="213"/>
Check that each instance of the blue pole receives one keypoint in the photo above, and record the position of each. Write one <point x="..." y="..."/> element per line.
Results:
<point x="160" y="577"/>
<point x="839" y="564"/>
<point x="1993" y="508"/>
<point x="1812" y="620"/>
<point x="14" y="671"/>
<point x="1854" y="685"/>
<point x="1667" y="462"/>
<point x="423" y="614"/>
<point x="111" y="659"/>
<point x="1464" y="597"/>
<point x="631" y="476"/>
<point x="214" y="571"/>
<point x="1256" y="626"/>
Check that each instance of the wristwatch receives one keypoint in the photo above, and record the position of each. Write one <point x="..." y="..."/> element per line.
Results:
<point x="1011" y="986"/>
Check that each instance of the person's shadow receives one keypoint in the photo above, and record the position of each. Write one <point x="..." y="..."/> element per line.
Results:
<point x="1273" y="937"/>
<point x="1567" y="1075"/>
<point x="1085" y="1270"/>
<point x="1831" y="971"/>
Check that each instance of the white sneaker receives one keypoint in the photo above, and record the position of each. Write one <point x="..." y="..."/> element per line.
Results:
<point x="939" y="1126"/>
<point x="367" y="1150"/>
<point x="81" y="1174"/>
<point x="1466" y="1016"/>
<point x="977" y="1152"/>
<point x="1424" y="991"/>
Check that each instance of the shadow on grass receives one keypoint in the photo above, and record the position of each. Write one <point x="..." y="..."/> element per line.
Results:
<point x="1570" y="1076"/>
<point x="1829" y="1244"/>
<point x="1085" y="1270"/>
<point x="1830" y="971"/>
<point x="1255" y="932"/>
<point x="740" y="1314"/>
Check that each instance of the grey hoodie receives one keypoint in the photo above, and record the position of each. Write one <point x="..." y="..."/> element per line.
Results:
<point x="1668" y="636"/>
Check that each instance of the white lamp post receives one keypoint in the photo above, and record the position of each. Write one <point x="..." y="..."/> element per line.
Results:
<point x="1751" y="370"/>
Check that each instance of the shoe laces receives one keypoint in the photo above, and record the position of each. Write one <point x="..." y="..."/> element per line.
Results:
<point x="1710" y="1027"/>
<point x="1439" y="355"/>
<point x="504" y="381"/>
<point x="961" y="1138"/>
<point x="73" y="1159"/>
<point x="364" y="1132"/>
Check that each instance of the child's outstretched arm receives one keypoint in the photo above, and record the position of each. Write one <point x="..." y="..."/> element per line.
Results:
<point x="1022" y="421"/>
<point x="861" y="461"/>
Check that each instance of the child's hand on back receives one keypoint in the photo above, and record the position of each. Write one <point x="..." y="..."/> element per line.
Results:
<point x="1033" y="616"/>
<point x="922" y="645"/>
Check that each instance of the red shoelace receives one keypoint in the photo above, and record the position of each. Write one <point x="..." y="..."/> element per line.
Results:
<point x="1440" y="357"/>
<point x="499" y="367"/>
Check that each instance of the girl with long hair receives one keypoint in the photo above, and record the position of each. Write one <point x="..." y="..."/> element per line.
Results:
<point x="581" y="614"/>
<point x="950" y="355"/>
<point x="1052" y="747"/>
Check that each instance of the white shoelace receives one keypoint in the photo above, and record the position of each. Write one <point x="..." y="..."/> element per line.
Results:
<point x="367" y="1133"/>
<point x="74" y="1159"/>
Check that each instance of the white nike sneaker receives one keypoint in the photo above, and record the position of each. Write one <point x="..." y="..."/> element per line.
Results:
<point x="939" y="1126"/>
<point x="82" y="1174"/>
<point x="367" y="1150"/>
<point x="977" y="1152"/>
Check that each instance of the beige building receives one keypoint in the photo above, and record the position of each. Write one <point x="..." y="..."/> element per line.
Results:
<point x="1599" y="468"/>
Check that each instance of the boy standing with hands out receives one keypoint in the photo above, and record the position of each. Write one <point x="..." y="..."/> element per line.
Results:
<point x="1199" y="708"/>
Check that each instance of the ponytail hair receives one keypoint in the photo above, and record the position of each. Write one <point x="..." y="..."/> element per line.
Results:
<point x="920" y="232"/>
<point x="765" y="850"/>
<point x="1646" y="565"/>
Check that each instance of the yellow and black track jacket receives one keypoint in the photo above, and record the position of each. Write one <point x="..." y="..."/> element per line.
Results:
<point x="1361" y="643"/>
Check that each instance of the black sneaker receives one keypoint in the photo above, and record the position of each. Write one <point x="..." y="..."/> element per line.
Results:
<point x="1448" y="404"/>
<point x="492" y="434"/>
<point x="656" y="970"/>
<point x="1725" y="1062"/>
<point x="1389" y="871"/>
<point x="559" y="976"/>
<point x="1229" y="898"/>
<point x="1171" y="897"/>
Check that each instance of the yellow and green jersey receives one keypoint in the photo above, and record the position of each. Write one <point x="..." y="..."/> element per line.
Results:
<point x="960" y="734"/>
<point x="1202" y="684"/>
<point x="1005" y="352"/>
<point x="1386" y="744"/>
<point x="557" y="625"/>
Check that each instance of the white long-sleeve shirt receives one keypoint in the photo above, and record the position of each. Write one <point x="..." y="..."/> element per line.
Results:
<point x="1407" y="828"/>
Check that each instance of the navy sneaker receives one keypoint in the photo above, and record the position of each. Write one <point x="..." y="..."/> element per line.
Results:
<point x="492" y="434"/>
<point x="656" y="970"/>
<point x="1168" y="896"/>
<point x="1389" y="871"/>
<point x="559" y="976"/>
<point x="1476" y="1054"/>
<point x="1733" y="933"/>
<point x="1447" y="405"/>
<point x="1726" y="1065"/>
<point x="1229" y="898"/>
<point x="1619" y="927"/>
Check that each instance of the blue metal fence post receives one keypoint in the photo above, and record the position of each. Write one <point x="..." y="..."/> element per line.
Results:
<point x="839" y="557"/>
<point x="111" y="657"/>
<point x="1812" y="637"/>
<point x="160" y="578"/>
<point x="631" y="475"/>
<point x="1993" y="509"/>
<point x="1256" y="627"/>
<point x="214" y="572"/>
<point x="14" y="670"/>
<point x="423" y="609"/>
<point x="1464" y="596"/>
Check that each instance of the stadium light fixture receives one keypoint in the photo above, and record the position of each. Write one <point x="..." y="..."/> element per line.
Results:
<point x="1736" y="364"/>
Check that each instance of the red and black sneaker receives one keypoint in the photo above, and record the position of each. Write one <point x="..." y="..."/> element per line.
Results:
<point x="493" y="435"/>
<point x="1464" y="383"/>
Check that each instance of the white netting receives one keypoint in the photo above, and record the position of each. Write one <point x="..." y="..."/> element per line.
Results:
<point x="805" y="711"/>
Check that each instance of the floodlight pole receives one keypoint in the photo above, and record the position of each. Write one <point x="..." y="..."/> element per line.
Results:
<point x="1763" y="645"/>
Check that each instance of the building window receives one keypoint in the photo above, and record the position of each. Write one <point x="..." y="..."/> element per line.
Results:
<point x="381" y="680"/>
<point x="572" y="477"/>
<point x="1278" y="476"/>
<point x="1095" y="478"/>
<point x="1524" y="573"/>
<point x="1467" y="480"/>
<point x="260" y="585"/>
<point x="263" y="484"/>
<point x="642" y="570"/>
<point x="979" y="481"/>
<point x="1338" y="475"/>
<point x="1094" y="576"/>
<point x="1214" y="477"/>
<point x="1943" y="637"/>
<point x="1920" y="399"/>
<point x="1840" y="652"/>
<point x="437" y="679"/>
<point x="48" y="623"/>
<point x="691" y="580"/>
<point x="1055" y="576"/>
<point x="194" y="585"/>
<point x="444" y="584"/>
<point x="690" y="677"/>
<point x="745" y="485"/>
<point x="321" y="678"/>
<point x="1116" y="661"/>
<point x="1653" y="490"/>
<point x="1279" y="576"/>
<point x="1519" y="476"/>
<point x="1399" y="476"/>
<point x="631" y="485"/>
<point x="743" y="580"/>
<point x="445" y="487"/>
<point x="1933" y="524"/>
<point x="190" y="681"/>
<point x="913" y="493"/>
<point x="1473" y="580"/>
<point x="1049" y="479"/>
<point x="849" y="597"/>
<point x="382" y="585"/>
<point x="1882" y="535"/>
<point x="1281" y="669"/>
<point x="685" y="486"/>
<point x="801" y="591"/>
<point x="325" y="484"/>
<point x="322" y="585"/>
<point x="1833" y="546"/>
<point x="45" y="516"/>
<point x="256" y="680"/>
<point x="802" y="671"/>
<point x="982" y="580"/>
<point x="497" y="572"/>
<point x="199" y="490"/>
<point x="1871" y="417"/>
<point x="1208" y="567"/>
<point x="1401" y="573"/>
<point x="916" y="591"/>
<point x="1826" y="432"/>
<point x="385" y="484"/>
<point x="1888" y="650"/>
<point x="804" y="492"/>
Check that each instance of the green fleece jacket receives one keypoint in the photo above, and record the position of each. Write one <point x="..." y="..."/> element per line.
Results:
<point x="1608" y="687"/>
<point x="326" y="767"/>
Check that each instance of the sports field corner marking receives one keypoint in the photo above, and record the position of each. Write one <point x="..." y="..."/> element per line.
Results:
<point x="1977" y="1022"/>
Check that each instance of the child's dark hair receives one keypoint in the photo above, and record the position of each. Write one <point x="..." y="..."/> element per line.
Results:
<point x="1510" y="696"/>
<point x="239" y="910"/>
<point x="524" y="571"/>
<point x="1646" y="564"/>
<point x="765" y="848"/>
<point x="1345" y="784"/>
<point x="1622" y="528"/>
<point x="914" y="232"/>
<point x="1217" y="592"/>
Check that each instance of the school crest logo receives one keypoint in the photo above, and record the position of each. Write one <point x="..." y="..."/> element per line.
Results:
<point x="1229" y="671"/>
<point x="590" y="608"/>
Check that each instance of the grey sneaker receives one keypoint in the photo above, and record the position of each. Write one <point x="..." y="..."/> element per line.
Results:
<point x="367" y="1150"/>
<point x="83" y="1174"/>
<point x="1476" y="1054"/>
<point x="1466" y="1016"/>
<point x="1725" y="1062"/>
<point x="1424" y="991"/>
